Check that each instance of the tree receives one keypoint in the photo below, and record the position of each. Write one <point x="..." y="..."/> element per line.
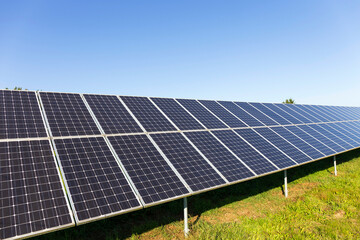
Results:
<point x="289" y="101"/>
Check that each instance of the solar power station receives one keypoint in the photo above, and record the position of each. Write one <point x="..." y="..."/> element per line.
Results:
<point x="68" y="159"/>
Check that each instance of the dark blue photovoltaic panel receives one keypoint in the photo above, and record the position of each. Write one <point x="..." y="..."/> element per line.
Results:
<point x="298" y="142"/>
<point x="306" y="112"/>
<point x="331" y="144"/>
<point x="20" y="115"/>
<point x="196" y="171"/>
<point x="111" y="114"/>
<point x="241" y="114"/>
<point x="147" y="114"/>
<point x="334" y="113"/>
<point x="201" y="113"/>
<point x="330" y="135"/>
<point x="328" y="112"/>
<point x="310" y="140"/>
<point x="97" y="186"/>
<point x="148" y="170"/>
<point x="263" y="146"/>
<point x="223" y="114"/>
<point x="245" y="152"/>
<point x="346" y="115"/>
<point x="355" y="124"/>
<point x="341" y="133"/>
<point x="348" y="127"/>
<point x="256" y="113"/>
<point x="229" y="166"/>
<point x="67" y="115"/>
<point x="177" y="114"/>
<point x="273" y="115"/>
<point x="283" y="145"/>
<point x="282" y="113"/>
<point x="352" y="111"/>
<point x="287" y="108"/>
<point x="32" y="198"/>
<point x="314" y="109"/>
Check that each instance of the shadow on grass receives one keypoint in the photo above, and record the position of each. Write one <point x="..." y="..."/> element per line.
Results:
<point x="139" y="222"/>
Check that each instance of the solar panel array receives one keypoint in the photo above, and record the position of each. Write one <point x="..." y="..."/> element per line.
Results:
<point x="116" y="154"/>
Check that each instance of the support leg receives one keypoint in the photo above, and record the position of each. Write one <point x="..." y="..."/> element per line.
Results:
<point x="335" y="171"/>
<point x="186" y="226"/>
<point x="285" y="184"/>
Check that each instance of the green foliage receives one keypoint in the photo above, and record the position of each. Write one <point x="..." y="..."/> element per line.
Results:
<point x="289" y="101"/>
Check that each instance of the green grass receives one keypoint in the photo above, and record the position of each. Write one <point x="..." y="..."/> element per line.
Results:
<point x="320" y="206"/>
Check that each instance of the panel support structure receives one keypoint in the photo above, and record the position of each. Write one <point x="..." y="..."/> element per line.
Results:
<point x="186" y="224"/>
<point x="335" y="171"/>
<point x="285" y="184"/>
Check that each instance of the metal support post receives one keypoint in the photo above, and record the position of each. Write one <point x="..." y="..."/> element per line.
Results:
<point x="186" y="225"/>
<point x="335" y="171"/>
<point x="285" y="183"/>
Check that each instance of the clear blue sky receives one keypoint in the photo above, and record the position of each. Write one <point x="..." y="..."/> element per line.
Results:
<point x="262" y="51"/>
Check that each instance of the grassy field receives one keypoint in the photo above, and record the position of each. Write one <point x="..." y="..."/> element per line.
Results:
<point x="320" y="206"/>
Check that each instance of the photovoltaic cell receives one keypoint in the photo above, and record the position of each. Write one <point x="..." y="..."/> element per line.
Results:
<point x="97" y="186"/>
<point x="229" y="166"/>
<point x="298" y="142"/>
<point x="111" y="114"/>
<point x="20" y="115"/>
<point x="331" y="144"/>
<point x="330" y="135"/>
<point x="282" y="113"/>
<point x="67" y="115"/>
<point x="202" y="114"/>
<point x="177" y="114"/>
<point x="263" y="146"/>
<point x="283" y="145"/>
<point x="195" y="170"/>
<point x="341" y="133"/>
<point x="349" y="128"/>
<point x="256" y="113"/>
<point x="241" y="114"/>
<point x="287" y="108"/>
<point x="310" y="140"/>
<point x="152" y="176"/>
<point x="306" y="111"/>
<point x="222" y="113"/>
<point x="273" y="115"/>
<point x="147" y="114"/>
<point x="315" y="108"/>
<point x="245" y="152"/>
<point x="31" y="195"/>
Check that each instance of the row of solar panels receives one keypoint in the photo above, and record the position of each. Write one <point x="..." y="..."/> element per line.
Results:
<point x="118" y="154"/>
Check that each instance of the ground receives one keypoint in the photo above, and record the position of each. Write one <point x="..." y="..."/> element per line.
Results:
<point x="320" y="206"/>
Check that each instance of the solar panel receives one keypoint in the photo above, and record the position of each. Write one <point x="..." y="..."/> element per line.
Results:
<point x="177" y="114"/>
<point x="95" y="182"/>
<point x="322" y="138"/>
<point x="241" y="114"/>
<point x="314" y="109"/>
<point x="267" y="149"/>
<point x="245" y="152"/>
<point x="67" y="114"/>
<point x="32" y="199"/>
<point x="223" y="114"/>
<point x="341" y="133"/>
<point x="355" y="132"/>
<point x="334" y="113"/>
<point x="311" y="140"/>
<point x="344" y="113"/>
<point x="219" y="156"/>
<point x="20" y="115"/>
<point x="298" y="142"/>
<point x="148" y="170"/>
<point x="282" y="113"/>
<point x="287" y="108"/>
<point x="330" y="135"/>
<point x="303" y="112"/>
<point x="202" y="114"/>
<point x="306" y="112"/>
<point x="273" y="115"/>
<point x="147" y="114"/>
<point x="256" y="113"/>
<point x="283" y="145"/>
<point x="111" y="114"/>
<point x="196" y="171"/>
